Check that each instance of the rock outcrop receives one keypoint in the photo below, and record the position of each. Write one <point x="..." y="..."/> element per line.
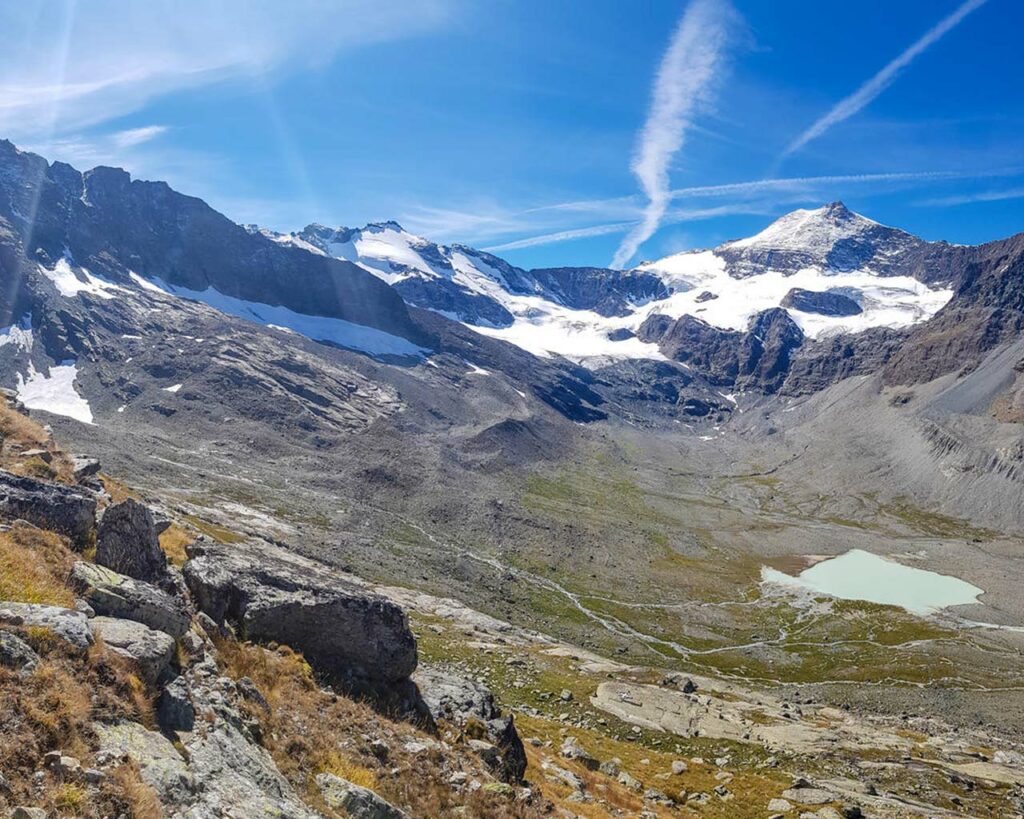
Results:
<point x="356" y="801"/>
<point x="70" y="626"/>
<point x="117" y="595"/>
<point x="345" y="630"/>
<point x="471" y="706"/>
<point x="151" y="650"/>
<point x="67" y="510"/>
<point x="127" y="542"/>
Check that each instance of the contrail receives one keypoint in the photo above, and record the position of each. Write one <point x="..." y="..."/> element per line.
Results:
<point x="849" y="106"/>
<point x="683" y="82"/>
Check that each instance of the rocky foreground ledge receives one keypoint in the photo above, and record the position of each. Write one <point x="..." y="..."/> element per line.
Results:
<point x="144" y="658"/>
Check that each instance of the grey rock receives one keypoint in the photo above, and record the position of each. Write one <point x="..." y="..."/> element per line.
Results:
<point x="344" y="629"/>
<point x="16" y="653"/>
<point x="127" y="542"/>
<point x="357" y="802"/>
<point x="458" y="699"/>
<point x="84" y="466"/>
<point x="160" y="764"/>
<point x="779" y="806"/>
<point x="152" y="650"/>
<point x="67" y="510"/>
<point x="825" y="303"/>
<point x="70" y="625"/>
<point x="631" y="782"/>
<point x="174" y="708"/>
<point x="117" y="595"/>
<point x="21" y="812"/>
<point x="571" y="749"/>
<point x="808" y="796"/>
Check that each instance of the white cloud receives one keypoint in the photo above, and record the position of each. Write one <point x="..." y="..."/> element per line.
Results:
<point x="971" y="198"/>
<point x="66" y="66"/>
<point x="849" y="106"/>
<point x="684" y="82"/>
<point x="137" y="136"/>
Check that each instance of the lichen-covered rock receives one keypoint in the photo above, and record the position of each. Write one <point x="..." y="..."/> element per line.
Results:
<point x="15" y="653"/>
<point x="69" y="625"/>
<point x="344" y="628"/>
<point x="471" y="705"/>
<point x="356" y="801"/>
<point x="67" y="510"/>
<point x="117" y="595"/>
<point x="160" y="764"/>
<point x="127" y="542"/>
<point x="152" y="650"/>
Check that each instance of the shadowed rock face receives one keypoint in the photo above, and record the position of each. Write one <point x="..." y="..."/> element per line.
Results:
<point x="111" y="224"/>
<point x="758" y="358"/>
<point x="827" y="303"/>
<point x="63" y="509"/>
<point x="127" y="542"/>
<point x="345" y="630"/>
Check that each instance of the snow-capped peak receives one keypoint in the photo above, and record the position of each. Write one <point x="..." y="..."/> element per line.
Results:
<point x="810" y="231"/>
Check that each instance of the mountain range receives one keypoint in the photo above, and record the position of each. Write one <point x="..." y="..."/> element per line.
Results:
<point x="613" y="457"/>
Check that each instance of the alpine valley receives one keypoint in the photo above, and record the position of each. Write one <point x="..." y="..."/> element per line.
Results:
<point x="614" y="500"/>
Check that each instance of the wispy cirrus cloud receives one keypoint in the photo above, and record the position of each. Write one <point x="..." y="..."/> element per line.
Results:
<point x="971" y="198"/>
<point x="684" y="82"/>
<point x="670" y="217"/>
<point x="847" y="107"/>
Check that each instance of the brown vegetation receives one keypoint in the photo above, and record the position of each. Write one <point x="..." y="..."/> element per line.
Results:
<point x="34" y="565"/>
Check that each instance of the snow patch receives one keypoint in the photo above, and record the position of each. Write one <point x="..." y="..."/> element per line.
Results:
<point x="70" y="283"/>
<point x="54" y="393"/>
<point x="175" y="388"/>
<point x="319" y="328"/>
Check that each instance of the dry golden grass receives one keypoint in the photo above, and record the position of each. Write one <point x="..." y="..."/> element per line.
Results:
<point x="20" y="433"/>
<point x="117" y="490"/>
<point x="34" y="566"/>
<point x="53" y="709"/>
<point x="173" y="541"/>
<point x="142" y="800"/>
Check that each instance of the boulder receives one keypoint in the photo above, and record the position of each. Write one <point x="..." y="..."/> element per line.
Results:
<point x="116" y="595"/>
<point x="69" y="625"/>
<point x="346" y="631"/>
<point x="174" y="709"/>
<point x="84" y="466"/>
<point x="21" y="812"/>
<point x="127" y="542"/>
<point x="67" y="510"/>
<point x="152" y="650"/>
<point x="808" y="795"/>
<point x="15" y="653"/>
<point x="356" y="801"/>
<point x="470" y="705"/>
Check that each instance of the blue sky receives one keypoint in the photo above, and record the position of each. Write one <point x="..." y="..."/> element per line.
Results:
<point x="559" y="131"/>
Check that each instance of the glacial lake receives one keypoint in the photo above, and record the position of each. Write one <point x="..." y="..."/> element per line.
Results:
<point x="860" y="575"/>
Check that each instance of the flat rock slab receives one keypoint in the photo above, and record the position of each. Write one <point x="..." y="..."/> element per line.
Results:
<point x="152" y="650"/>
<point x="344" y="628"/>
<point x="70" y="625"/>
<point x="117" y="595"/>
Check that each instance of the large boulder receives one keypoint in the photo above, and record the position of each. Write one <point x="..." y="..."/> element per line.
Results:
<point x="69" y="625"/>
<point x="127" y="542"/>
<point x="151" y="650"/>
<point x="117" y="595"/>
<point x="345" y="629"/>
<point x="357" y="802"/>
<point x="470" y="705"/>
<point x="67" y="510"/>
